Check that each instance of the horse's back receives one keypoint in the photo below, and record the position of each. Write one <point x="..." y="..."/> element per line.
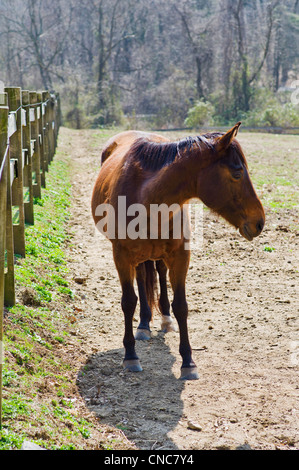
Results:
<point x="125" y="139"/>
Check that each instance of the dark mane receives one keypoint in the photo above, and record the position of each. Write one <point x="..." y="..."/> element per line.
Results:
<point x="154" y="156"/>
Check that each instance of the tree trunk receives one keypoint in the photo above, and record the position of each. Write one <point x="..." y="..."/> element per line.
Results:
<point x="200" y="93"/>
<point x="101" y="61"/>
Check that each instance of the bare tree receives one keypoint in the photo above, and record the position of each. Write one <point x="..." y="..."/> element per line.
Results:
<point x="111" y="30"/>
<point x="196" y="29"/>
<point x="41" y="28"/>
<point x="157" y="57"/>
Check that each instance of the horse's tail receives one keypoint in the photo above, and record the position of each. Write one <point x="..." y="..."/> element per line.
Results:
<point x="151" y="283"/>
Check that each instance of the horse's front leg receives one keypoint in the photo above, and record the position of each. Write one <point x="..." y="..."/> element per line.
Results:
<point x="178" y="267"/>
<point x="180" y="310"/>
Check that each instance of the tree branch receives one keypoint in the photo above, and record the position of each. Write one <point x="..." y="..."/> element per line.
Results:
<point x="266" y="50"/>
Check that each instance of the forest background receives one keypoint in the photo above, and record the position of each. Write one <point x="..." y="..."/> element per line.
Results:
<point x="157" y="63"/>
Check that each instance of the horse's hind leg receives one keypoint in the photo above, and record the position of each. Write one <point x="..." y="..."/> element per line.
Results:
<point x="167" y="323"/>
<point x="143" y="331"/>
<point x="128" y="304"/>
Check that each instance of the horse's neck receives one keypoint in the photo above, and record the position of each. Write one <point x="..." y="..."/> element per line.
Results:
<point x="175" y="183"/>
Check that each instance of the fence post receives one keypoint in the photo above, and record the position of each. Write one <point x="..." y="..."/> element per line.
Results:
<point x="41" y="138"/>
<point x="59" y="110"/>
<point x="27" y="170"/>
<point x="35" y="146"/>
<point x="46" y="117"/>
<point x="57" y="117"/>
<point x="3" y="195"/>
<point x="15" y="103"/>
<point x="9" y="279"/>
<point x="52" y="126"/>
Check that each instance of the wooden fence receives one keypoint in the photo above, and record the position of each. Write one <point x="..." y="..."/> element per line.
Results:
<point x="29" y="124"/>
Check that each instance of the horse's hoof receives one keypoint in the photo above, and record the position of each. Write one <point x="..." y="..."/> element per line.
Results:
<point x="189" y="373"/>
<point x="168" y="324"/>
<point x="133" y="365"/>
<point x="142" y="334"/>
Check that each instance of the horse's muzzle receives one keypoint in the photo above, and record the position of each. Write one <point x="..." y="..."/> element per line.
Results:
<point x="250" y="231"/>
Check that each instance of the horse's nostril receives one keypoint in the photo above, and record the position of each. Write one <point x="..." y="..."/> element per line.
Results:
<point x="260" y="225"/>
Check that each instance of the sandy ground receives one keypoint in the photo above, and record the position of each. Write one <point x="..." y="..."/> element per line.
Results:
<point x="243" y="324"/>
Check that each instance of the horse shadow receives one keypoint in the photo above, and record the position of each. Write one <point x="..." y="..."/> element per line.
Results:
<point x="146" y="405"/>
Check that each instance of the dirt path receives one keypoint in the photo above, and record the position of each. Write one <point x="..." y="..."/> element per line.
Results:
<point x="243" y="323"/>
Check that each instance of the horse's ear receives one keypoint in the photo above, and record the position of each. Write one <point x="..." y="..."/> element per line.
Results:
<point x="225" y="140"/>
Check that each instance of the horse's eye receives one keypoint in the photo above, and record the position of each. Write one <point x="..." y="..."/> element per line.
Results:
<point x="237" y="174"/>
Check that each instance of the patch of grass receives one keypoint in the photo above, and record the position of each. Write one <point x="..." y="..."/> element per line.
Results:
<point x="35" y="333"/>
<point x="60" y="281"/>
<point x="282" y="200"/>
<point x="274" y="168"/>
<point x="100" y="136"/>
<point x="67" y="291"/>
<point x="11" y="440"/>
<point x="269" y="249"/>
<point x="15" y="407"/>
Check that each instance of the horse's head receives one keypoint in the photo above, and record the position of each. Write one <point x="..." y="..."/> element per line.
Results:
<point x="226" y="188"/>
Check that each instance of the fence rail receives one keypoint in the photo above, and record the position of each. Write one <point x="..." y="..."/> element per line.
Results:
<point x="29" y="125"/>
<point x="265" y="129"/>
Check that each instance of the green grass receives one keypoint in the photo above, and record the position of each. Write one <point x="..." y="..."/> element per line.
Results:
<point x="274" y="168"/>
<point x="269" y="249"/>
<point x="32" y="333"/>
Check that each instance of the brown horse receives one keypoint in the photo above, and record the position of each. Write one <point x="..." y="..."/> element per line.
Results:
<point x="145" y="169"/>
